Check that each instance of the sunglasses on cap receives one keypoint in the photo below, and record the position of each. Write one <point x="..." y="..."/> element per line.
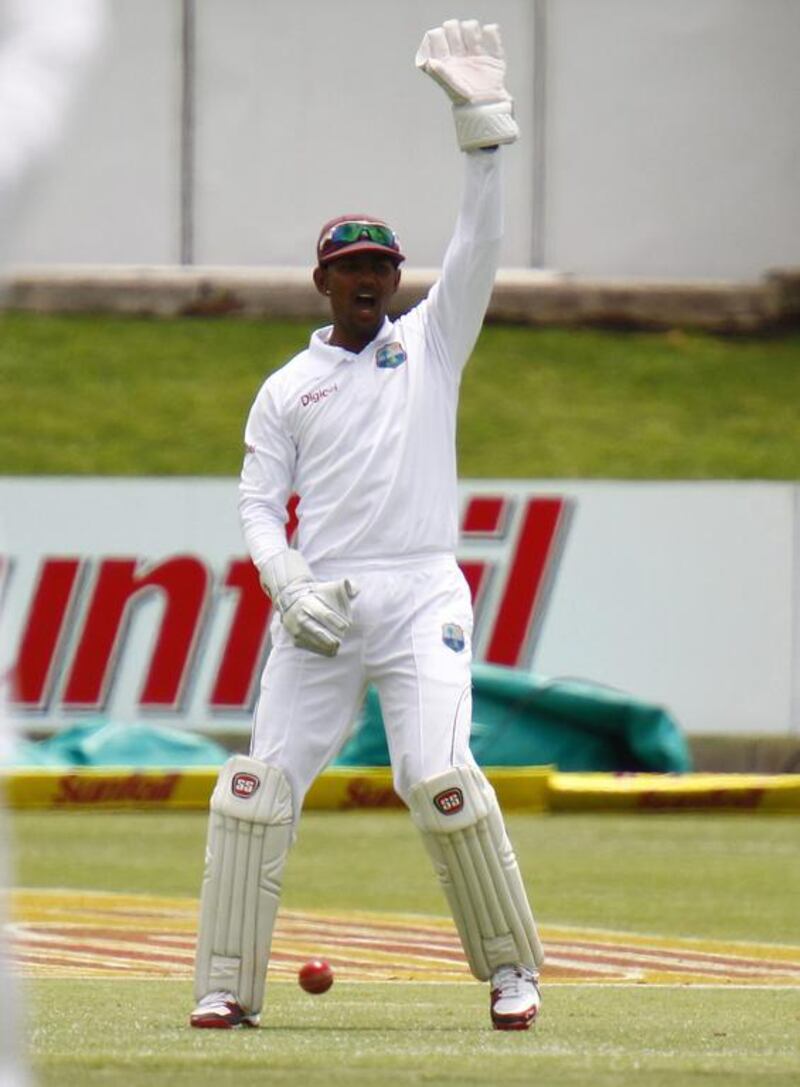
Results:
<point x="350" y="233"/>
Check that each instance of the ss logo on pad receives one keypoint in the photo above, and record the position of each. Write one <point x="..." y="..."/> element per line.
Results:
<point x="244" y="785"/>
<point x="449" y="801"/>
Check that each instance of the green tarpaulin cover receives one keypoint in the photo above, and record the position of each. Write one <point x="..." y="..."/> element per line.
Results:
<point x="521" y="719"/>
<point x="107" y="744"/>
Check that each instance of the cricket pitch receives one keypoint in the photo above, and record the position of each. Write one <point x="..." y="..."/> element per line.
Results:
<point x="84" y="934"/>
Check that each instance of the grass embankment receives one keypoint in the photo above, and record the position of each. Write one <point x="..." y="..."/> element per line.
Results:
<point x="117" y="396"/>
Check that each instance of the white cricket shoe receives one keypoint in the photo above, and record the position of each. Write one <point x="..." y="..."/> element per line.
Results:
<point x="223" y="1011"/>
<point x="515" y="998"/>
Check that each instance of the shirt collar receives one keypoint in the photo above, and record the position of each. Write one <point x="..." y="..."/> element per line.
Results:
<point x="318" y="344"/>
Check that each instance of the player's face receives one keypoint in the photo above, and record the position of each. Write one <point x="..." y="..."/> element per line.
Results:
<point x="360" y="288"/>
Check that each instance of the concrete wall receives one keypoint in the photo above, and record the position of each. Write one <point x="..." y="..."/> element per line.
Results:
<point x="660" y="138"/>
<point x="309" y="109"/>
<point x="111" y="193"/>
<point x="673" y="144"/>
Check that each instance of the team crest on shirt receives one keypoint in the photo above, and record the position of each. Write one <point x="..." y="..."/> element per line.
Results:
<point x="390" y="357"/>
<point x="453" y="637"/>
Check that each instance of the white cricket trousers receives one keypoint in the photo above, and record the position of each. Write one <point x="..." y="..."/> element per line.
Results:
<point x="412" y="638"/>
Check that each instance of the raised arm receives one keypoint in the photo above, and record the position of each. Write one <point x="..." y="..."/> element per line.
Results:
<point x="456" y="304"/>
<point x="467" y="60"/>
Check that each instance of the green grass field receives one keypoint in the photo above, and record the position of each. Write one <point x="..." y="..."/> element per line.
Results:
<point x="116" y="396"/>
<point x="710" y="877"/>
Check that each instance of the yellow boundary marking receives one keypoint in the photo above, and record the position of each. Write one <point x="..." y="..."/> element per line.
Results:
<point x="78" y="934"/>
<point x="530" y="789"/>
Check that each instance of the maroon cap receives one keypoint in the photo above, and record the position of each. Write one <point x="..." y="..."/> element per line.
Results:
<point x="364" y="240"/>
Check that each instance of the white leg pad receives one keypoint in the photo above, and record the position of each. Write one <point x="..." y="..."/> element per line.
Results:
<point x="460" y="821"/>
<point x="249" y="834"/>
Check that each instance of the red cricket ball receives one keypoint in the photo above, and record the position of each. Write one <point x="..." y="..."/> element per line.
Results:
<point x="315" y="976"/>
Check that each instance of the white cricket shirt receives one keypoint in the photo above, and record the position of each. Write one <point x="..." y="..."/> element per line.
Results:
<point x="368" y="441"/>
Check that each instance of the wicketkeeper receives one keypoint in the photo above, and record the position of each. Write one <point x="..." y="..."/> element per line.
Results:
<point x="361" y="425"/>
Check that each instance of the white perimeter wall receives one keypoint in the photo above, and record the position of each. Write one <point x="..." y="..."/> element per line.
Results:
<point x="667" y="142"/>
<point x="686" y="594"/>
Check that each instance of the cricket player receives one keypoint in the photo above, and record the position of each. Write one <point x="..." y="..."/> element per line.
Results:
<point x="361" y="425"/>
<point x="45" y="47"/>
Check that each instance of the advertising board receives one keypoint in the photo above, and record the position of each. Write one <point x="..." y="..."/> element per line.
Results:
<point x="134" y="600"/>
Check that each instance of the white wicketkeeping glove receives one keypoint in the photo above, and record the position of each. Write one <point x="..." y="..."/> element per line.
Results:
<point x="317" y="614"/>
<point x="468" y="61"/>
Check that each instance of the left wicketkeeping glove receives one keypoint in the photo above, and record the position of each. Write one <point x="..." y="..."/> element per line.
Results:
<point x="317" y="614"/>
<point x="468" y="61"/>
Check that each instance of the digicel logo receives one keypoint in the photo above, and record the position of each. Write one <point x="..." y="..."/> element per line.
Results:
<point x="316" y="395"/>
<point x="72" y="640"/>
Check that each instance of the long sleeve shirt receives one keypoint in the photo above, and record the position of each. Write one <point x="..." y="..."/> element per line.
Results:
<point x="368" y="440"/>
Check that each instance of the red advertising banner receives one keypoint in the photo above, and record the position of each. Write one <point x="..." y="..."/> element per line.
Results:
<point x="75" y="620"/>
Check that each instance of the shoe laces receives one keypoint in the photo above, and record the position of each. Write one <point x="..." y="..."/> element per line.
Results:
<point x="513" y="980"/>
